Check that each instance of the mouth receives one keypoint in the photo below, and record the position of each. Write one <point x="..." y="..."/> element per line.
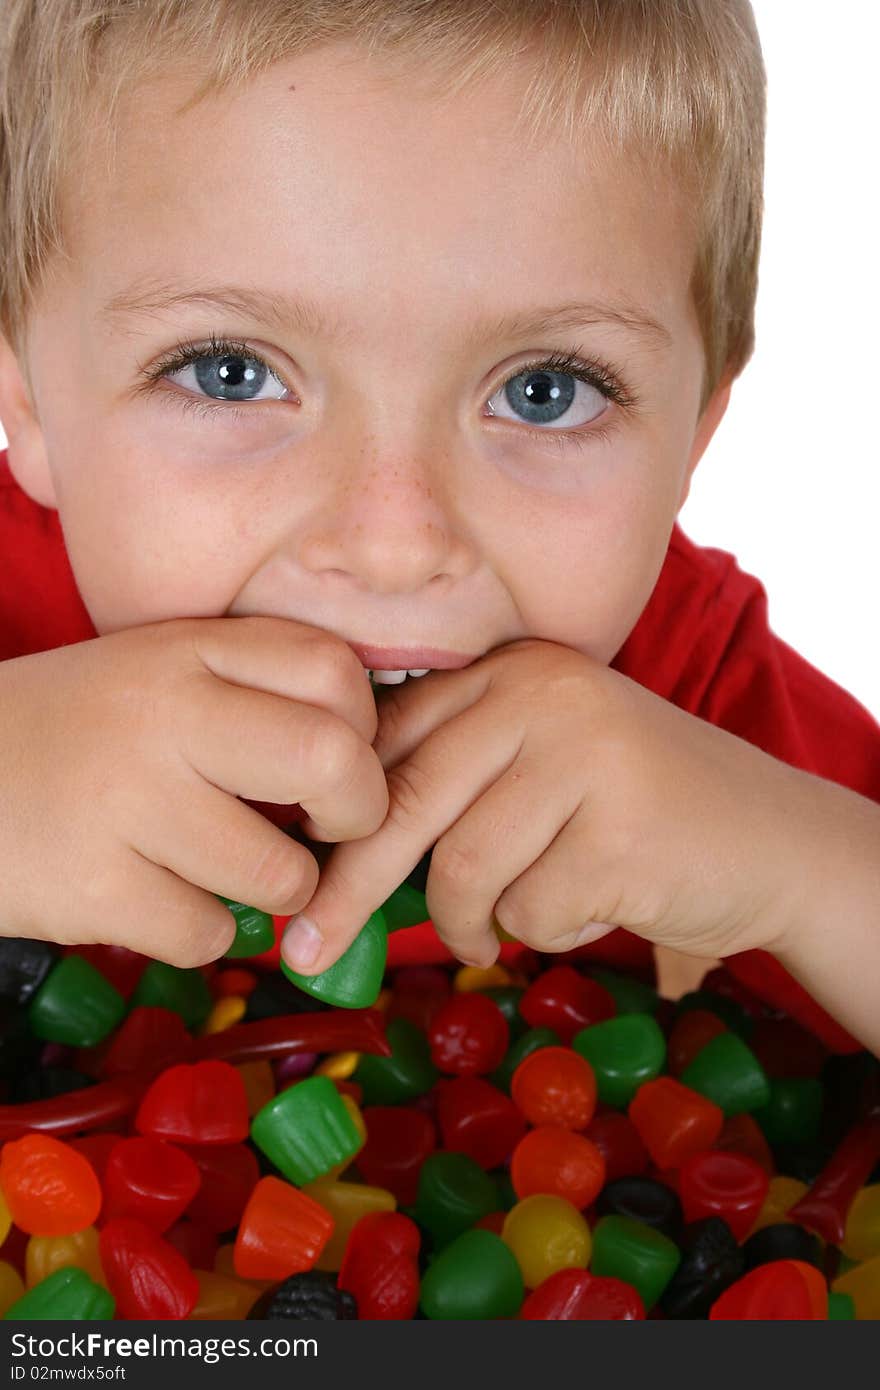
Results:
<point x="392" y="665"/>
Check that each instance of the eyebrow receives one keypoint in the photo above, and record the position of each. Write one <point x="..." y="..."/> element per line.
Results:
<point x="304" y="314"/>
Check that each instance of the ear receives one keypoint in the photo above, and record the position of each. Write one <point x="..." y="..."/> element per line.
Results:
<point x="26" y="448"/>
<point x="706" y="426"/>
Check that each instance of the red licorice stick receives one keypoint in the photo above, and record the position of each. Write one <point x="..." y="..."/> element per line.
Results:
<point x="823" y="1208"/>
<point x="334" y="1030"/>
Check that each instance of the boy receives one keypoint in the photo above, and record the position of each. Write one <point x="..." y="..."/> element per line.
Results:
<point x="284" y="403"/>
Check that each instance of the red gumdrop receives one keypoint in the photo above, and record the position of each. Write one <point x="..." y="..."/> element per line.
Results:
<point x="741" y="1134"/>
<point x="399" y="1139"/>
<point x="573" y="1294"/>
<point x="145" y="1274"/>
<point x="493" y="1221"/>
<point x="689" y="1034"/>
<point x="729" y="1185"/>
<point x="229" y="1173"/>
<point x="50" y="1188"/>
<point x="148" y="1036"/>
<point x="566" y="1001"/>
<point x="673" y="1120"/>
<point x="97" y="1148"/>
<point x="235" y="981"/>
<point x="783" y="1290"/>
<point x="418" y="992"/>
<point x="151" y="1180"/>
<point x="205" y="1103"/>
<point x="196" y="1244"/>
<point x="478" y="1120"/>
<point x="469" y="1035"/>
<point x="620" y="1144"/>
<point x="122" y="967"/>
<point x="380" y="1266"/>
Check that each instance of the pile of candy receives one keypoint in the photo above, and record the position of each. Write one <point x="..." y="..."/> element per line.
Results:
<point x="546" y="1139"/>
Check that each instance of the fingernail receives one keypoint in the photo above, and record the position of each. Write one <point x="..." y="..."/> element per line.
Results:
<point x="301" y="943"/>
<point x="593" y="931"/>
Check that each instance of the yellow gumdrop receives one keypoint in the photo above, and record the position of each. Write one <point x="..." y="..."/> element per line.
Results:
<point x="339" y="1067"/>
<point x="781" y="1196"/>
<point x="357" y="1118"/>
<point x="228" y="1010"/>
<point x="45" y="1254"/>
<point x="473" y="977"/>
<point x="346" y="1202"/>
<point x="221" y="1297"/>
<point x="861" y="1239"/>
<point x="546" y="1233"/>
<point x="863" y="1285"/>
<point x="11" y="1286"/>
<point x="259" y="1084"/>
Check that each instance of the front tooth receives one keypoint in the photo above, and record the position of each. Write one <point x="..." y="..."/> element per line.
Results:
<point x="423" y="672"/>
<point x="389" y="677"/>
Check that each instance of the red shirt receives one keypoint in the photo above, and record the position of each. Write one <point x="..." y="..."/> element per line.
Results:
<point x="703" y="642"/>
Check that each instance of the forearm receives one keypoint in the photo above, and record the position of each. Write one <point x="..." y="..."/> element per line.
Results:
<point x="832" y="943"/>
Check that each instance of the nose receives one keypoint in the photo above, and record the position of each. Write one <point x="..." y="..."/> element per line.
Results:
<point x="390" y="528"/>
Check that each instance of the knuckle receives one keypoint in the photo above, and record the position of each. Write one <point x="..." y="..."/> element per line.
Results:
<point x="331" y="661"/>
<point x="283" y="876"/>
<point x="455" y="866"/>
<point x="409" y="792"/>
<point x="339" y="751"/>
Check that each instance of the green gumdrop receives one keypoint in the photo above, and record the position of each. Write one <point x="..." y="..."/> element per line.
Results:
<point x="623" y="1052"/>
<point x="306" y="1129"/>
<point x="406" y="907"/>
<point x="184" y="992"/>
<point x="629" y="994"/>
<point x="727" y="1072"/>
<point x="841" y="1307"/>
<point x="254" y="930"/>
<point x="507" y="998"/>
<point x="355" y="979"/>
<point x="453" y="1193"/>
<point x="476" y="1276"/>
<point x="794" y="1110"/>
<point x="68" y="1294"/>
<point x="75" y="1005"/>
<point x="406" y="1074"/>
<point x="636" y="1253"/>
<point x="530" y="1041"/>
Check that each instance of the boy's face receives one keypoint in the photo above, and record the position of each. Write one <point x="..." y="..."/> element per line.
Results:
<point x="362" y="482"/>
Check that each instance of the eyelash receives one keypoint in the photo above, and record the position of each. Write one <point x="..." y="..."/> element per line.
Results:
<point x="587" y="369"/>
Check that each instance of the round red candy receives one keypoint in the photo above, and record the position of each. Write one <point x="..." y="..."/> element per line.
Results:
<point x="478" y="1120"/>
<point x="566" y="1001"/>
<point x="573" y="1294"/>
<point x="469" y="1035"/>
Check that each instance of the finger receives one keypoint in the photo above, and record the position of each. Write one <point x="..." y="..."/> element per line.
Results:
<point x="556" y="903"/>
<point x="408" y="713"/>
<point x="215" y="842"/>
<point x="291" y="659"/>
<point x="504" y="832"/>
<point x="427" y="794"/>
<point x="165" y="917"/>
<point x="265" y="748"/>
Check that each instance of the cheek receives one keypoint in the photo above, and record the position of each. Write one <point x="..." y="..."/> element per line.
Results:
<point x="145" y="546"/>
<point x="583" y="572"/>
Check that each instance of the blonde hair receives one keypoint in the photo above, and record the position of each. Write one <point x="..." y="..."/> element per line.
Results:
<point x="680" y="83"/>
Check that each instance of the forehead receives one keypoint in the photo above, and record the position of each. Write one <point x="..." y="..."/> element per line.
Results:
<point x="334" y="173"/>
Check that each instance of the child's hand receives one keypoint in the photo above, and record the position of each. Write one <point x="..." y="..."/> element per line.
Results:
<point x="564" y="799"/>
<point x="123" y="759"/>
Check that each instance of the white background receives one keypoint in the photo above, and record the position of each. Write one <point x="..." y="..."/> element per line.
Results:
<point x="790" y="483"/>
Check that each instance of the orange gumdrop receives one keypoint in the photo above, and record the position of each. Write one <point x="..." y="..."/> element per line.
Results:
<point x="282" y="1232"/>
<point x="51" y="1188"/>
<point x="556" y="1160"/>
<point x="674" y="1121"/>
<point x="555" y="1086"/>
